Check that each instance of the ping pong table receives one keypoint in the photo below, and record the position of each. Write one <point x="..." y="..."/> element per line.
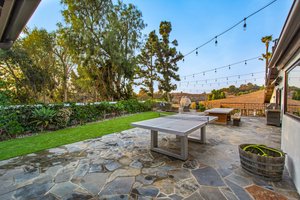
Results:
<point x="180" y="125"/>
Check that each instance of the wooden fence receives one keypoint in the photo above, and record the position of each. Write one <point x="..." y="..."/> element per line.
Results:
<point x="246" y="109"/>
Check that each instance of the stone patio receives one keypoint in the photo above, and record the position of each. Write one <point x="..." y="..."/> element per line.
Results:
<point x="120" y="166"/>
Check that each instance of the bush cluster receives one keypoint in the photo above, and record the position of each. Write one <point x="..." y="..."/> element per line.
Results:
<point x="26" y="119"/>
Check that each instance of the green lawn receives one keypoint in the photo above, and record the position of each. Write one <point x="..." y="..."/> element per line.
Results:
<point x="22" y="146"/>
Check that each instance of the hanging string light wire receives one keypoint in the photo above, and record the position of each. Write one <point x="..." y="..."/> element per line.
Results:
<point x="222" y="67"/>
<point x="227" y="82"/>
<point x="224" y="77"/>
<point x="229" y="29"/>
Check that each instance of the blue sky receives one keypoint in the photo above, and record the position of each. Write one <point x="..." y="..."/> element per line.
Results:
<point x="193" y="23"/>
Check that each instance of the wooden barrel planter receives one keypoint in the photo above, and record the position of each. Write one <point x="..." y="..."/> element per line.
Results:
<point x="268" y="165"/>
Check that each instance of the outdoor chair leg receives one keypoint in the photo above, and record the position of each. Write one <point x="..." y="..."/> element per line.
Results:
<point x="154" y="139"/>
<point x="203" y="134"/>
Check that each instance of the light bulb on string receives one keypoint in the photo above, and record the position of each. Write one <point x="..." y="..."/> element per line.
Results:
<point x="245" y="24"/>
<point x="245" y="62"/>
<point x="197" y="52"/>
<point x="229" y="67"/>
<point x="215" y="70"/>
<point x="193" y="75"/>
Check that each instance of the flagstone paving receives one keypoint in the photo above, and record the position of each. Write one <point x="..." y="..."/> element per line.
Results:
<point x="120" y="166"/>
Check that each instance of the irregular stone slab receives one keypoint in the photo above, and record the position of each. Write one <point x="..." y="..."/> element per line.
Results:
<point x="113" y="166"/>
<point x="239" y="180"/>
<point x="94" y="168"/>
<point x="124" y="172"/>
<point x="165" y="186"/>
<point x="119" y="186"/>
<point x="52" y="171"/>
<point x="186" y="188"/>
<point x="32" y="191"/>
<point x="180" y="174"/>
<point x="136" y="164"/>
<point x="208" y="176"/>
<point x="27" y="175"/>
<point x="78" y="196"/>
<point x="175" y="197"/>
<point x="94" y="182"/>
<point x="146" y="191"/>
<point x="81" y="170"/>
<point x="7" y="186"/>
<point x="228" y="194"/>
<point x="194" y="196"/>
<point x="238" y="191"/>
<point x="63" y="189"/>
<point x="125" y="160"/>
<point x="63" y="176"/>
<point x="146" y="179"/>
<point x="263" y="194"/>
<point x="210" y="193"/>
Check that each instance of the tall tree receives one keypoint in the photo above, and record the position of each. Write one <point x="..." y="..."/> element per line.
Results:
<point x="147" y="70"/>
<point x="39" y="45"/>
<point x="107" y="47"/>
<point x="65" y="59"/>
<point x="167" y="58"/>
<point x="121" y="40"/>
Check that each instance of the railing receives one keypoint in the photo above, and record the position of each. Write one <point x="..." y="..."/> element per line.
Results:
<point x="246" y="109"/>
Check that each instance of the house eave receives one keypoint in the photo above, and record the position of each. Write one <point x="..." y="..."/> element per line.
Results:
<point x="13" y="18"/>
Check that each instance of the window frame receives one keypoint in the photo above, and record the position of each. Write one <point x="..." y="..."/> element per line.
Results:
<point x="297" y="63"/>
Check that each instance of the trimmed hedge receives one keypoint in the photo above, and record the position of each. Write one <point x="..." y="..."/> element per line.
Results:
<point x="26" y="119"/>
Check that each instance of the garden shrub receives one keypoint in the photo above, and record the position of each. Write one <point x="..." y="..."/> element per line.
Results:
<point x="24" y="119"/>
<point x="43" y="117"/>
<point x="201" y="107"/>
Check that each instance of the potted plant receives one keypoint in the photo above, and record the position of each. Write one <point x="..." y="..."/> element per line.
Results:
<point x="262" y="161"/>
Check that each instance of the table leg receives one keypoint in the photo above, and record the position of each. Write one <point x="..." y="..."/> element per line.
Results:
<point x="203" y="134"/>
<point x="184" y="147"/>
<point x="154" y="139"/>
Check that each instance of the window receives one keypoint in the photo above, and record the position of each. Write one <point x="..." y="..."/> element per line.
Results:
<point x="293" y="91"/>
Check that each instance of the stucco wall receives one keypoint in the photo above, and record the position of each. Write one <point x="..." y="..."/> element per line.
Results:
<point x="290" y="137"/>
<point x="290" y="144"/>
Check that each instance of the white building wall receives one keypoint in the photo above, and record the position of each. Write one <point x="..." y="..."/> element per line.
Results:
<point x="290" y="135"/>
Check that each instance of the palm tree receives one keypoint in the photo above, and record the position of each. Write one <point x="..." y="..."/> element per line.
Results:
<point x="266" y="40"/>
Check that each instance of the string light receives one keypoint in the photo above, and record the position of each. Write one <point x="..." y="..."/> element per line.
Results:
<point x="245" y="25"/>
<point x="228" y="66"/>
<point x="230" y="28"/>
<point x="245" y="62"/>
<point x="216" y="40"/>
